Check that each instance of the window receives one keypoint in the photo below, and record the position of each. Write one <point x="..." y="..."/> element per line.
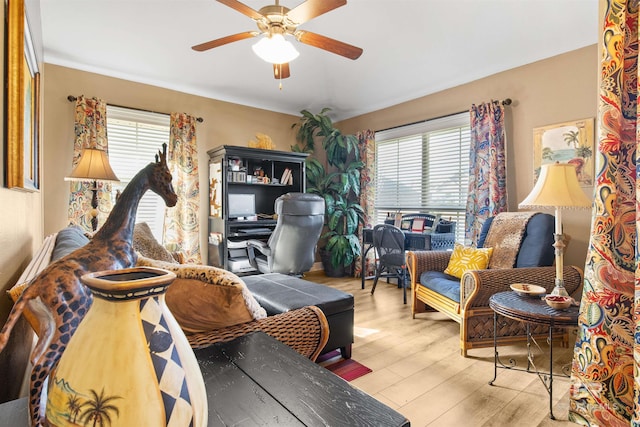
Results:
<point x="424" y="167"/>
<point x="135" y="137"/>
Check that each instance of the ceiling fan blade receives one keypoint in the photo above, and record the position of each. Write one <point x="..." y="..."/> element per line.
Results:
<point x="242" y="8"/>
<point x="281" y="71"/>
<point x="224" y="40"/>
<point x="311" y="8"/>
<point x="329" y="44"/>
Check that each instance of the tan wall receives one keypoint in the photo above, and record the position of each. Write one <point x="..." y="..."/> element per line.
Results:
<point x="224" y="123"/>
<point x="550" y="91"/>
<point x="20" y="236"/>
<point x="554" y="90"/>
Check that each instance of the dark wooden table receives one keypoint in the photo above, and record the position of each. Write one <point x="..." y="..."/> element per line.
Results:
<point x="256" y="380"/>
<point x="530" y="310"/>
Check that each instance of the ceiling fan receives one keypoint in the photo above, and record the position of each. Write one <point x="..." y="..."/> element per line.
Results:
<point x="275" y="22"/>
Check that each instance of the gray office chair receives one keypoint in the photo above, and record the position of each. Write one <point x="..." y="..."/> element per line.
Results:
<point x="292" y="246"/>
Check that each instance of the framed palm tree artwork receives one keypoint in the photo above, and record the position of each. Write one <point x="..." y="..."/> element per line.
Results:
<point x="569" y="142"/>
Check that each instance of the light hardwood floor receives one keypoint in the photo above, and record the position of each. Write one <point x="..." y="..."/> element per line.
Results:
<point x="418" y="369"/>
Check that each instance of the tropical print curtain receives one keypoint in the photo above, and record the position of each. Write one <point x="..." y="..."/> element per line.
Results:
<point x="487" y="168"/>
<point x="605" y="378"/>
<point x="181" y="225"/>
<point x="367" y="145"/>
<point x="90" y="132"/>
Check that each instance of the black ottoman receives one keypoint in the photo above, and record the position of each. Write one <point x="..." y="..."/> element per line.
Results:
<point x="279" y="293"/>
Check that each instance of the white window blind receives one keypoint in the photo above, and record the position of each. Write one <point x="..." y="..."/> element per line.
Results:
<point x="135" y="137"/>
<point x="424" y="167"/>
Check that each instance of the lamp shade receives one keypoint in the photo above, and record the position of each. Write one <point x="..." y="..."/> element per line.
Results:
<point x="92" y="166"/>
<point x="275" y="49"/>
<point x="557" y="186"/>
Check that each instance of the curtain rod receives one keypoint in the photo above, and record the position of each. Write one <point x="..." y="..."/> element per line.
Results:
<point x="506" y="101"/>
<point x="72" y="98"/>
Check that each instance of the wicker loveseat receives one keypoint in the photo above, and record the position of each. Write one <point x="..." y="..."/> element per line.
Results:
<point x="305" y="330"/>
<point x="467" y="300"/>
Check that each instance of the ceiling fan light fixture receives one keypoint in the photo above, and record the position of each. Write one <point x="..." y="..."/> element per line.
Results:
<point x="275" y="49"/>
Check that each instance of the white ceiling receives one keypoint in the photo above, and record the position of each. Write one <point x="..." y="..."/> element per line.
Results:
<point x="411" y="47"/>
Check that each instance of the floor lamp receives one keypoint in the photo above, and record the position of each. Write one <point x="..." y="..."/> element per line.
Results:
<point x="93" y="166"/>
<point x="557" y="187"/>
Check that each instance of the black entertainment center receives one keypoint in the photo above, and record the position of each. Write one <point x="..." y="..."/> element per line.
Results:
<point x="244" y="184"/>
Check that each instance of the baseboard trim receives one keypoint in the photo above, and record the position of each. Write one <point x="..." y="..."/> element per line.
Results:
<point x="317" y="266"/>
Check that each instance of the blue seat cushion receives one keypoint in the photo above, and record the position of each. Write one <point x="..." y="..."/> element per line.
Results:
<point x="441" y="283"/>
<point x="68" y="240"/>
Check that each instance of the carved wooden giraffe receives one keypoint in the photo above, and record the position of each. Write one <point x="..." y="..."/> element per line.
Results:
<point x="61" y="300"/>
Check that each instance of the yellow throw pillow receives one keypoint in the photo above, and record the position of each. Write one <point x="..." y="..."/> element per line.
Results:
<point x="463" y="259"/>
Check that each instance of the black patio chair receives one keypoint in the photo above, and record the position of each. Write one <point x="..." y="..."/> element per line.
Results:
<point x="390" y="258"/>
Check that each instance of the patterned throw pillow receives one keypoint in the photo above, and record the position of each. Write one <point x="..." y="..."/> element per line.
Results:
<point x="465" y="258"/>
<point x="203" y="298"/>
<point x="147" y="245"/>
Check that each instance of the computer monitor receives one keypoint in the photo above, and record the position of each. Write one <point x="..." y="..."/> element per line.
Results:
<point x="242" y="205"/>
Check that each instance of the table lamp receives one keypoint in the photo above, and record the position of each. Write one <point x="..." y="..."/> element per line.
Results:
<point x="557" y="187"/>
<point x="93" y="166"/>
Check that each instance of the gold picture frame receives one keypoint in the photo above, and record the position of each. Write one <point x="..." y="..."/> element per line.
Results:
<point x="567" y="142"/>
<point x="23" y="102"/>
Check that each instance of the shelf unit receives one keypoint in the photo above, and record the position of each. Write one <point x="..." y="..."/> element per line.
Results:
<point x="242" y="170"/>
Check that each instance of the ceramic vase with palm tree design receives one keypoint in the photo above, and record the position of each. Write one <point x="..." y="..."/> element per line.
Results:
<point x="129" y="363"/>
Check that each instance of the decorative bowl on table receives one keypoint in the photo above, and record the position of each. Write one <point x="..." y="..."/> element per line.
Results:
<point x="527" y="290"/>
<point x="558" y="302"/>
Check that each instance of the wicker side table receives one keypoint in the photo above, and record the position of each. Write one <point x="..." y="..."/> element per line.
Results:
<point x="530" y="310"/>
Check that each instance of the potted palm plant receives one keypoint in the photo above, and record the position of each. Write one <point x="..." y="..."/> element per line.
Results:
<point x="338" y="184"/>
